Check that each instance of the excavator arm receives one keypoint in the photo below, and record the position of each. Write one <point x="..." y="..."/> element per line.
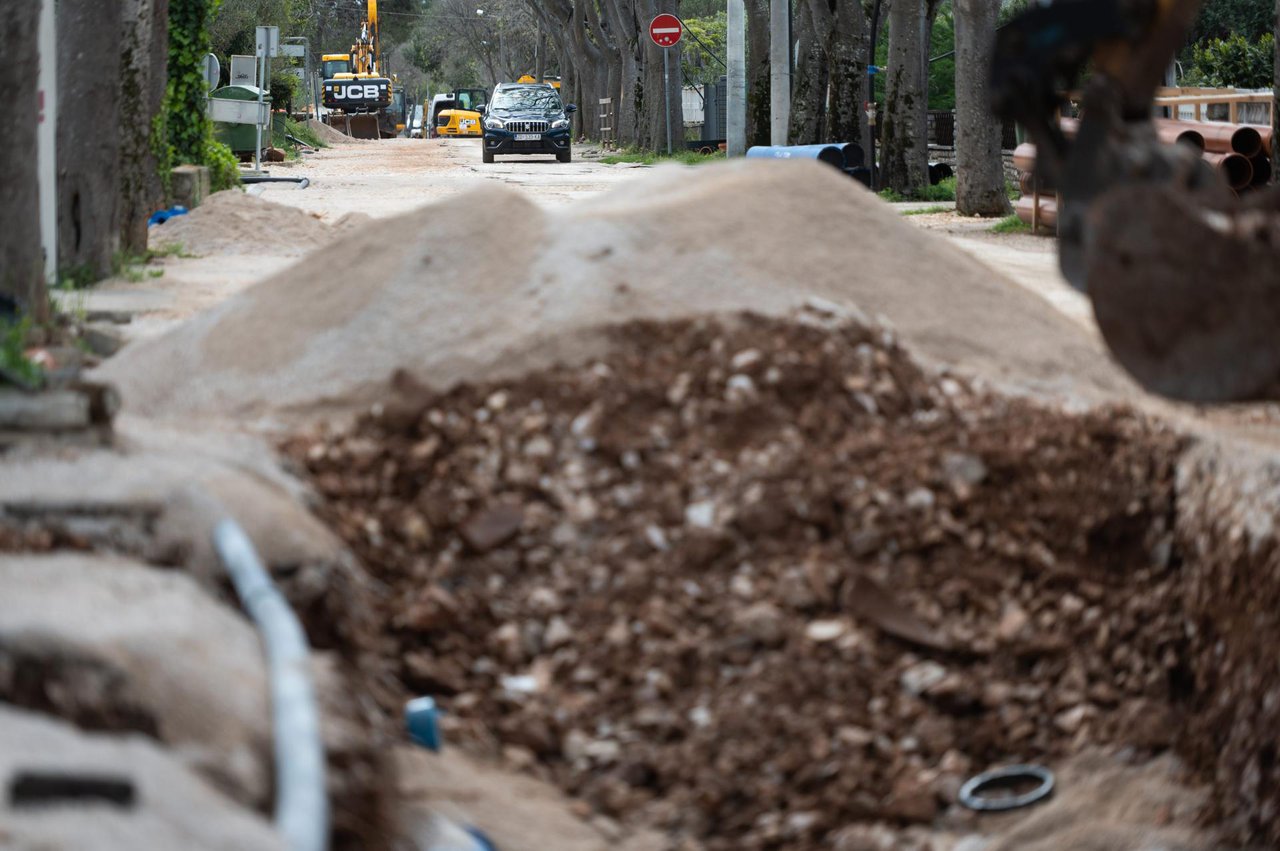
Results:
<point x="1184" y="277"/>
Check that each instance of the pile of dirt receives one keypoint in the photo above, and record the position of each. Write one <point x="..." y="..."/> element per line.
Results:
<point x="488" y="285"/>
<point x="232" y="222"/>
<point x="327" y="134"/>
<point x="753" y="581"/>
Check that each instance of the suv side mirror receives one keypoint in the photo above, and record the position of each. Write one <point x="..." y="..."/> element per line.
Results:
<point x="570" y="109"/>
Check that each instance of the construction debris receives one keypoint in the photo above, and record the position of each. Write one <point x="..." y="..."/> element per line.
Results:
<point x="755" y="578"/>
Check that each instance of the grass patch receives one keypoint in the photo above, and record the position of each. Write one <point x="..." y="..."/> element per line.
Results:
<point x="893" y="196"/>
<point x="652" y="158"/>
<point x="926" y="211"/>
<point x="299" y="130"/>
<point x="1011" y="224"/>
<point x="14" y="364"/>
<point x="943" y="190"/>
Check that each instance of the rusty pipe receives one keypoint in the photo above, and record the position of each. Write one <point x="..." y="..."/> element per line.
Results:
<point x="1048" y="217"/>
<point x="1236" y="169"/>
<point x="1024" y="157"/>
<point x="1170" y="134"/>
<point x="1261" y="170"/>
<point x="1266" y="134"/>
<point x="1222" y="138"/>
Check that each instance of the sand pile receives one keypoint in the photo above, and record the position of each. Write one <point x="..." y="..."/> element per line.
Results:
<point x="756" y="581"/>
<point x="231" y="222"/>
<point x="326" y="133"/>
<point x="489" y="284"/>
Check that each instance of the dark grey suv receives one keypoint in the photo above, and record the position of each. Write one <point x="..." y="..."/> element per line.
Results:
<point x="527" y="118"/>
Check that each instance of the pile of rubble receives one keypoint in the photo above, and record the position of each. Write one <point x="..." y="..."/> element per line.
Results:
<point x="756" y="580"/>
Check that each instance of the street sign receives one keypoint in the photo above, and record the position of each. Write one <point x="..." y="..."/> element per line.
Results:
<point x="212" y="70"/>
<point x="268" y="41"/>
<point x="297" y="51"/>
<point x="244" y="70"/>
<point x="665" y="30"/>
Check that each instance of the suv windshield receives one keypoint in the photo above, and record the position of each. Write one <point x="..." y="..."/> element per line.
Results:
<point x="531" y="99"/>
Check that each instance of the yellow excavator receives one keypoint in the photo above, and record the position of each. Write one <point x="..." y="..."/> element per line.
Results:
<point x="361" y="101"/>
<point x="1183" y="275"/>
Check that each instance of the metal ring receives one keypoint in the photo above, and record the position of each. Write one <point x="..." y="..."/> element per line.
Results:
<point x="969" y="791"/>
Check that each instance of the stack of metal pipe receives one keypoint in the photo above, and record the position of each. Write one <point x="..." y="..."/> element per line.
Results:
<point x="1241" y="153"/>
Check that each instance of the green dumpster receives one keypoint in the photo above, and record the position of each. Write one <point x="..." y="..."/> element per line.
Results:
<point x="234" y="110"/>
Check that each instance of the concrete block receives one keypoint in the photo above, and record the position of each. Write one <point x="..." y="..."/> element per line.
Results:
<point x="190" y="185"/>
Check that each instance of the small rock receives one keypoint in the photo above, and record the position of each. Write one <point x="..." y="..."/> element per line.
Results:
<point x="746" y="359"/>
<point x="558" y="633"/>
<point x="739" y="389"/>
<point x="1071" y="720"/>
<point x="921" y="676"/>
<point x="865" y="837"/>
<point x="701" y="515"/>
<point x="493" y="526"/>
<point x="1013" y="621"/>
<point x="920" y="499"/>
<point x="520" y="683"/>
<point x="762" y="622"/>
<point x="912" y="799"/>
<point x="824" y="631"/>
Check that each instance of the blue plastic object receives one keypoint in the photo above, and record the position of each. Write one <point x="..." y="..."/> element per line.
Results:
<point x="159" y="217"/>
<point x="422" y="718"/>
<point x="829" y="154"/>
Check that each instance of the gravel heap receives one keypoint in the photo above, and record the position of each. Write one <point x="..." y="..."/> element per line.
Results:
<point x="233" y="222"/>
<point x="758" y="580"/>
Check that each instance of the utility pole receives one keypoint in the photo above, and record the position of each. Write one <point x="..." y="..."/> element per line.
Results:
<point x="736" y="97"/>
<point x="779" y="71"/>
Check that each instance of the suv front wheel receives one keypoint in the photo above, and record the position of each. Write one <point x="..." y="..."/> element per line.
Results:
<point x="486" y="156"/>
<point x="565" y="157"/>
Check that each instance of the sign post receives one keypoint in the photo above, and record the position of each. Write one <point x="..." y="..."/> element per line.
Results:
<point x="666" y="30"/>
<point x="268" y="45"/>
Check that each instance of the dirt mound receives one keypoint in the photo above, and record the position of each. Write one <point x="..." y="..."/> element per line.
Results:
<point x="231" y="222"/>
<point x="327" y="134"/>
<point x="754" y="581"/>
<point x="490" y="285"/>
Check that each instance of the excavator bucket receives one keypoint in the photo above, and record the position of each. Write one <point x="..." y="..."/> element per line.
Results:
<point x="1188" y="297"/>
<point x="364" y="126"/>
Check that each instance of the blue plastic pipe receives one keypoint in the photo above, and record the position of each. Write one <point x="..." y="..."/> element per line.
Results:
<point x="302" y="803"/>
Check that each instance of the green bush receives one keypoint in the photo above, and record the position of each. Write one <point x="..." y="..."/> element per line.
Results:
<point x="1233" y="62"/>
<point x="224" y="166"/>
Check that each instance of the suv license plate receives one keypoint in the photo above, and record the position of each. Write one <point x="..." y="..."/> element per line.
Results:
<point x="528" y="137"/>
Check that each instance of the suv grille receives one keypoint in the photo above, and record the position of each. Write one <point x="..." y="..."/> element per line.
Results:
<point x="528" y="126"/>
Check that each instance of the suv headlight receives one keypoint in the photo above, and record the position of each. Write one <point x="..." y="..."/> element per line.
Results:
<point x="494" y="123"/>
<point x="559" y="124"/>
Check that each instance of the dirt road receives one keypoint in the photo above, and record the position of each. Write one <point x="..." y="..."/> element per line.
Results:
<point x="394" y="176"/>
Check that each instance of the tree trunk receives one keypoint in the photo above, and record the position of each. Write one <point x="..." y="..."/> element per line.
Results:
<point x="622" y="19"/>
<point x="980" y="186"/>
<point x="21" y="257"/>
<point x="88" y="136"/>
<point x="848" y="52"/>
<point x="904" y="161"/>
<point x="808" y="83"/>
<point x="145" y="51"/>
<point x="758" y="87"/>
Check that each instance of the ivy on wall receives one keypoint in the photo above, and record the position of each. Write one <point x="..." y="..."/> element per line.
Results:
<point x="187" y="131"/>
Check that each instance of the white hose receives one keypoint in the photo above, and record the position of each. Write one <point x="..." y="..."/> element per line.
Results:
<point x="302" y="803"/>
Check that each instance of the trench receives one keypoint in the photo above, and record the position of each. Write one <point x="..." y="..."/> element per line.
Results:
<point x="751" y="581"/>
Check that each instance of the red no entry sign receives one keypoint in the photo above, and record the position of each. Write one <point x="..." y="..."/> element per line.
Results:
<point x="665" y="30"/>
